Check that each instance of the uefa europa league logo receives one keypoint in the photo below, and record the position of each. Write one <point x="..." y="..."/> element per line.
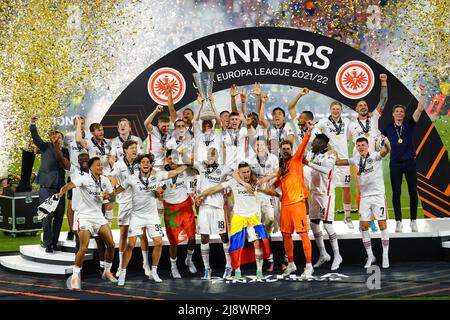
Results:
<point x="204" y="82"/>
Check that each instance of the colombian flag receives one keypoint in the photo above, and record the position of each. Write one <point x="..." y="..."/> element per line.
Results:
<point x="241" y="251"/>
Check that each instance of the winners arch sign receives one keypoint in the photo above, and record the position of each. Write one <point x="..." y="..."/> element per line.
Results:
<point x="285" y="56"/>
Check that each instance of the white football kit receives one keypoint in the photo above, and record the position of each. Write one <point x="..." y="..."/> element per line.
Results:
<point x="211" y="216"/>
<point x="321" y="205"/>
<point x="145" y="211"/>
<point x="365" y="128"/>
<point x="117" y="146"/>
<point x="371" y="184"/>
<point x="89" y="207"/>
<point x="123" y="170"/>
<point x="263" y="167"/>
<point x="101" y="150"/>
<point x="338" y="133"/>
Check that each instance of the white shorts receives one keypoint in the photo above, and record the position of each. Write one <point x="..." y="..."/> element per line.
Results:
<point x="124" y="213"/>
<point x="211" y="220"/>
<point x="342" y="176"/>
<point x="277" y="211"/>
<point x="251" y="234"/>
<point x="373" y="205"/>
<point x="153" y="230"/>
<point x="266" y="213"/>
<point x="91" y="224"/>
<point x="321" y="207"/>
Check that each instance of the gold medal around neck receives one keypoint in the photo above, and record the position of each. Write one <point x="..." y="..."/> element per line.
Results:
<point x="174" y="186"/>
<point x="400" y="140"/>
<point x="367" y="135"/>
<point x="162" y="150"/>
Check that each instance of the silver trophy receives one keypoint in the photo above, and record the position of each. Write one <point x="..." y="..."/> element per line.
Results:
<point x="204" y="82"/>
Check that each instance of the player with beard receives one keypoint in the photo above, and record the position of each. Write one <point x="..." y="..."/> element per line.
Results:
<point x="336" y="129"/>
<point x="278" y="131"/>
<point x="124" y="129"/>
<point x="321" y="206"/>
<point x="90" y="220"/>
<point x="145" y="217"/>
<point x="124" y="169"/>
<point x="183" y="142"/>
<point x="293" y="207"/>
<point x="234" y="140"/>
<point x="211" y="215"/>
<point x="205" y="134"/>
<point x="366" y="125"/>
<point x="179" y="215"/>
<point x="373" y="195"/>
<point x="158" y="137"/>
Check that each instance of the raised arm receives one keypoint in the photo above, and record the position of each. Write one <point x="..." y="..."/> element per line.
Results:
<point x="421" y="104"/>
<point x="35" y="135"/>
<point x="243" y="111"/>
<point x="148" y="122"/>
<point x="199" y="108"/>
<point x="293" y="103"/>
<point x="262" y="112"/>
<point x="79" y="134"/>
<point x="386" y="148"/>
<point x="233" y="93"/>
<point x="321" y="169"/>
<point x="218" y="123"/>
<point x="383" y="93"/>
<point x="170" y="105"/>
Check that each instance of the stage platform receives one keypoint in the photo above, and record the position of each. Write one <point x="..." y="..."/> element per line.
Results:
<point x="431" y="243"/>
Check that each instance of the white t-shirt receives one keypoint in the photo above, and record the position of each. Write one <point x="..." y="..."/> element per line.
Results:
<point x="235" y="146"/>
<point x="245" y="204"/>
<point x="371" y="181"/>
<point x="90" y="204"/>
<point x="299" y="134"/>
<point x="204" y="141"/>
<point x="144" y="198"/>
<point x="184" y="147"/>
<point x="102" y="151"/>
<point x="117" y="146"/>
<point x="70" y="137"/>
<point x="74" y="173"/>
<point x="322" y="183"/>
<point x="176" y="188"/>
<point x="210" y="177"/>
<point x="122" y="172"/>
<point x="157" y="145"/>
<point x="263" y="167"/>
<point x="337" y="141"/>
<point x="275" y="136"/>
<point x="74" y="151"/>
<point x="355" y="130"/>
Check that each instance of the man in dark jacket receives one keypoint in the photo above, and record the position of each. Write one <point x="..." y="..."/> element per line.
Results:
<point x="51" y="179"/>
